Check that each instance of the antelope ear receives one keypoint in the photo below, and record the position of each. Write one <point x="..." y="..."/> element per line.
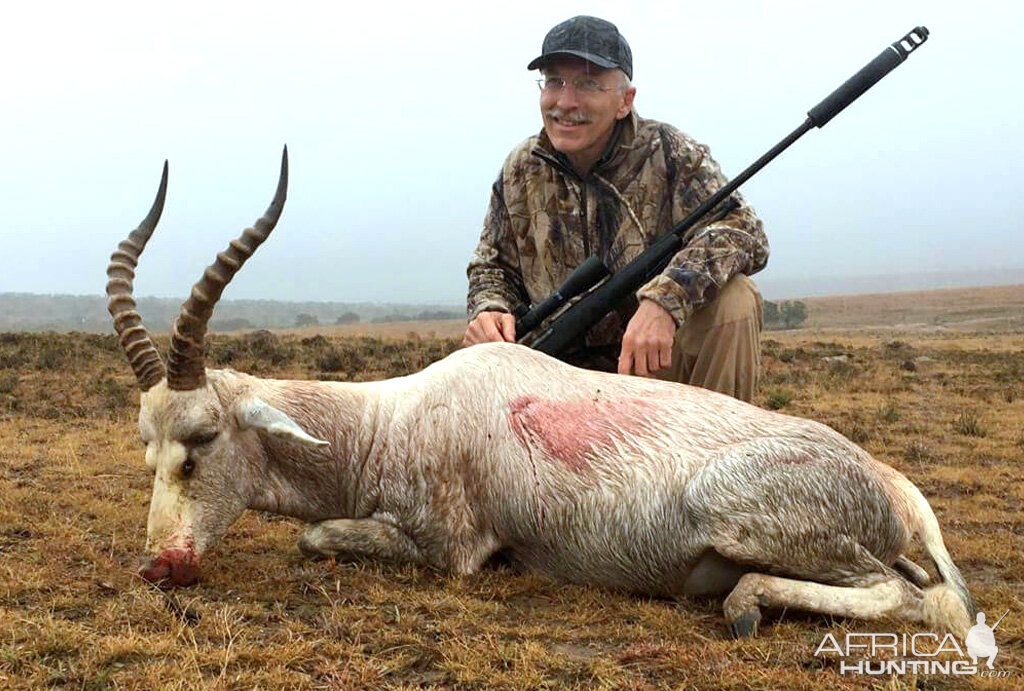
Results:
<point x="257" y="413"/>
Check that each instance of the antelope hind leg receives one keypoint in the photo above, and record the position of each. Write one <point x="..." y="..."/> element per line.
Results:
<point x="913" y="573"/>
<point x="892" y="597"/>
<point x="363" y="537"/>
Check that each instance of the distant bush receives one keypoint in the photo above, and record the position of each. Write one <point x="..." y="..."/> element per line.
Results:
<point x="52" y="356"/>
<point x="265" y="345"/>
<point x="347" y="318"/>
<point x="840" y="370"/>
<point x="11" y="358"/>
<point x="969" y="424"/>
<point x="261" y="346"/>
<point x="858" y="434"/>
<point x="305" y="319"/>
<point x="778" y="399"/>
<point x="343" y="358"/>
<point x="918" y="452"/>
<point x="116" y="396"/>
<point x="788" y="314"/>
<point x="889" y="413"/>
<point x="8" y="382"/>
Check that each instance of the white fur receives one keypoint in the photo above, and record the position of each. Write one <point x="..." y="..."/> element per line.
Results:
<point x="613" y="480"/>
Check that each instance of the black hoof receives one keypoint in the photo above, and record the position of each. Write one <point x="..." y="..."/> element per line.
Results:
<point x="745" y="625"/>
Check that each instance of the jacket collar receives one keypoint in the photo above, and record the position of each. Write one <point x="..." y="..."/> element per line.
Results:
<point x="619" y="146"/>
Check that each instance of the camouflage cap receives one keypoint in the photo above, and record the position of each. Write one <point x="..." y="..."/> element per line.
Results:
<point x="590" y="38"/>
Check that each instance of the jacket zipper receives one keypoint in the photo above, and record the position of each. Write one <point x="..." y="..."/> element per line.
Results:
<point x="559" y="166"/>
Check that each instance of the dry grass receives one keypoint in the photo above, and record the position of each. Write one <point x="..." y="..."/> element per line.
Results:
<point x="74" y="495"/>
<point x="400" y="330"/>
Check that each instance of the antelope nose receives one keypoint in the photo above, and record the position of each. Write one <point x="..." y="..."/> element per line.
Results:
<point x="175" y="568"/>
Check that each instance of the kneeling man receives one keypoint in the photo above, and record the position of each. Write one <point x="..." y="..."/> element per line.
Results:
<point x="599" y="179"/>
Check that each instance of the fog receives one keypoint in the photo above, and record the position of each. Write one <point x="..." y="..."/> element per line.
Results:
<point x="397" y="119"/>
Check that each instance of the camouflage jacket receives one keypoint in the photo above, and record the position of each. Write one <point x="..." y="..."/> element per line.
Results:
<point x="544" y="221"/>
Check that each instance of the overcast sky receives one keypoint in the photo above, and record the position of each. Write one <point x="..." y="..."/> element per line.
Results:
<point x="398" y="116"/>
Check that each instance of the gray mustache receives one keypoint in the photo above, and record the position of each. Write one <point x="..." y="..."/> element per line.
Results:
<point x="575" y="118"/>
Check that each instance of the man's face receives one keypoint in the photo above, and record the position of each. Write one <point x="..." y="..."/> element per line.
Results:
<point x="579" y="122"/>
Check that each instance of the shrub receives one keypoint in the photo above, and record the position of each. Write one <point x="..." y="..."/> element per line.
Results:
<point x="858" y="434"/>
<point x="839" y="375"/>
<point x="116" y="396"/>
<point x="11" y="359"/>
<point x="917" y="452"/>
<point x="787" y="314"/>
<point x="51" y="357"/>
<point x="8" y="382"/>
<point x="264" y="345"/>
<point x="778" y="399"/>
<point x="345" y="358"/>
<point x="841" y="369"/>
<point x="222" y="356"/>
<point x="969" y="424"/>
<point x="889" y="413"/>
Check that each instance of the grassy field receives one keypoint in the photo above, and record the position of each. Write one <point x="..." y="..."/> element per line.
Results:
<point x="961" y="310"/>
<point x="992" y="309"/>
<point x="945" y="408"/>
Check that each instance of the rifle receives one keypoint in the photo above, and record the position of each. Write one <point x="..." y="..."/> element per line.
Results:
<point x="608" y="290"/>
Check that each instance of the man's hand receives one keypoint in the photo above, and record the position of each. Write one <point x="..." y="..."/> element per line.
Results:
<point x="490" y="326"/>
<point x="647" y="345"/>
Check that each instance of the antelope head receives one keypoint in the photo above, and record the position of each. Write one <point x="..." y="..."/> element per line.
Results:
<point x="199" y="426"/>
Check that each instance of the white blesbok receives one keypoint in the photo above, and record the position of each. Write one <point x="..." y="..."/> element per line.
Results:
<point x="617" y="481"/>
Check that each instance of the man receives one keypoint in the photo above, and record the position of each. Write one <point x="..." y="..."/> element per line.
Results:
<point x="599" y="179"/>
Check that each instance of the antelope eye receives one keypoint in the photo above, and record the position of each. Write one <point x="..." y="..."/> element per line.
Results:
<point x="188" y="466"/>
<point x="202" y="438"/>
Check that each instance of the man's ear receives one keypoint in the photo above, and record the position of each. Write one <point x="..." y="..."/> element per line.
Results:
<point x="257" y="413"/>
<point x="627" y="102"/>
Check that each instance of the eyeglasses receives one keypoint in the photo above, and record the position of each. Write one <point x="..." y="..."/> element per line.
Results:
<point x="590" y="87"/>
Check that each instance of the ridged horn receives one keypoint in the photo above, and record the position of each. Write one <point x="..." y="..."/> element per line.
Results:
<point x="142" y="354"/>
<point x="186" y="368"/>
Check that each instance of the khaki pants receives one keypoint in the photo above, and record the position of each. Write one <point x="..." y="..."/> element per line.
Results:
<point x="718" y="347"/>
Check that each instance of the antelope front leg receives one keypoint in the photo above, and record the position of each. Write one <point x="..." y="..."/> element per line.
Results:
<point x="362" y="537"/>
